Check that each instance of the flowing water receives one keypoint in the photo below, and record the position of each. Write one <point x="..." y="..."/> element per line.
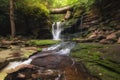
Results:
<point x="52" y="63"/>
<point x="62" y="48"/>
<point x="56" y="30"/>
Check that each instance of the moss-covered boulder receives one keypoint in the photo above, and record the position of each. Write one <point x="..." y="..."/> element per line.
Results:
<point x="100" y="60"/>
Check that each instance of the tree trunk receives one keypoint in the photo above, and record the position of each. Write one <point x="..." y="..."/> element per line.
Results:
<point x="61" y="10"/>
<point x="12" y="18"/>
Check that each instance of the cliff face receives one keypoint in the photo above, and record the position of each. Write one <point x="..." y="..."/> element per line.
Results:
<point x="98" y="24"/>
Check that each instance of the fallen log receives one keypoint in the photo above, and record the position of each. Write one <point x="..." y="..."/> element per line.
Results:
<point x="61" y="10"/>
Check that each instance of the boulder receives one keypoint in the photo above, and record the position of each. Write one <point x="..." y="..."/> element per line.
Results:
<point x="53" y="61"/>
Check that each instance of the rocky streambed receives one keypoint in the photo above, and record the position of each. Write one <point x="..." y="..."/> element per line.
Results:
<point x="90" y="61"/>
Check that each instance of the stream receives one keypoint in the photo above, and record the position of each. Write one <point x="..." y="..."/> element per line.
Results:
<point x="52" y="63"/>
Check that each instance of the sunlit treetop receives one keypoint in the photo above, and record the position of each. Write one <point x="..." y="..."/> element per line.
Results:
<point x="61" y="3"/>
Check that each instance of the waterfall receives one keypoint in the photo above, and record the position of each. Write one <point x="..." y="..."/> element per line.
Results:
<point x="56" y="30"/>
<point x="62" y="48"/>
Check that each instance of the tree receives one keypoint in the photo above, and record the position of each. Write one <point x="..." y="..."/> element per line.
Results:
<point x="12" y="22"/>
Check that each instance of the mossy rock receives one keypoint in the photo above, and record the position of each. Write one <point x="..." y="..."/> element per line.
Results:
<point x="42" y="42"/>
<point x="96" y="61"/>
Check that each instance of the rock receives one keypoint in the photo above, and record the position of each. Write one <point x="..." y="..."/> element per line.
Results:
<point x="68" y="15"/>
<point x="105" y="41"/>
<point x="118" y="33"/>
<point x="30" y="73"/>
<point x="6" y="42"/>
<point x="53" y="61"/>
<point x="85" y="40"/>
<point x="117" y="27"/>
<point x="111" y="37"/>
<point x="75" y="71"/>
<point x="118" y="40"/>
<point x="92" y="36"/>
<point x="99" y="37"/>
<point x="112" y="54"/>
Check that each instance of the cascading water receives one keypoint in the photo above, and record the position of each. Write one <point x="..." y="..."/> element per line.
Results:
<point x="56" y="30"/>
<point x="62" y="48"/>
<point x="53" y="58"/>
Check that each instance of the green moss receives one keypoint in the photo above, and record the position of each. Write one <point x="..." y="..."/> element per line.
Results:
<point x="42" y="42"/>
<point x="102" y="72"/>
<point x="90" y="54"/>
<point x="87" y="51"/>
<point x="109" y="65"/>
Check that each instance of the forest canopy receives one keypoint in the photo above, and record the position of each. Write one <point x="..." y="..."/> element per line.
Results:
<point x="33" y="14"/>
<point x="61" y="3"/>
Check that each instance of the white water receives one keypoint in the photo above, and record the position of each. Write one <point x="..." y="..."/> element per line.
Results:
<point x="66" y="49"/>
<point x="54" y="47"/>
<point x="12" y="65"/>
<point x="62" y="48"/>
<point x="56" y="30"/>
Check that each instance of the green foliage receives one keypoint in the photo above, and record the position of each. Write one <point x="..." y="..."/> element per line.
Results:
<point x="4" y="16"/>
<point x="32" y="7"/>
<point x="60" y="3"/>
<point x="42" y="42"/>
<point x="4" y="3"/>
<point x="32" y="16"/>
<point x="29" y="15"/>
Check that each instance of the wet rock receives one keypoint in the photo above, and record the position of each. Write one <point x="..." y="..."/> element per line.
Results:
<point x="50" y="67"/>
<point x="53" y="61"/>
<point x="73" y="72"/>
<point x="31" y="73"/>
